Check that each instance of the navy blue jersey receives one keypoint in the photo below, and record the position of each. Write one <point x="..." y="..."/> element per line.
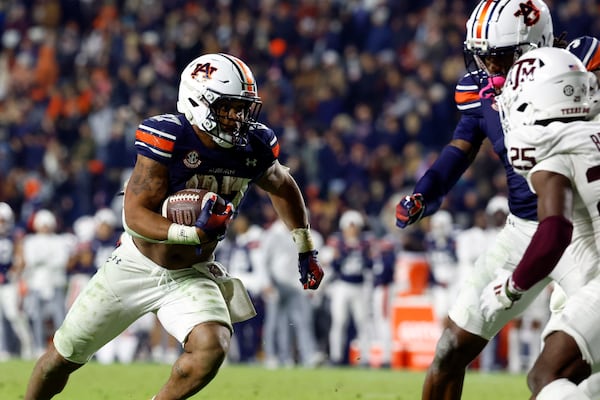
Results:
<point x="83" y="260"/>
<point x="480" y="119"/>
<point x="385" y="266"/>
<point x="352" y="260"/>
<point x="171" y="140"/>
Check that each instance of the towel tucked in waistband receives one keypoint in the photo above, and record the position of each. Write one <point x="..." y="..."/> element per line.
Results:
<point x="236" y="296"/>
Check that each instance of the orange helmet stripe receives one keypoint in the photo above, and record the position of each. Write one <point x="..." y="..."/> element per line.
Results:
<point x="243" y="68"/>
<point x="482" y="19"/>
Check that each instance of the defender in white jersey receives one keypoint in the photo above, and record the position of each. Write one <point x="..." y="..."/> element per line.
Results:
<point x="545" y="107"/>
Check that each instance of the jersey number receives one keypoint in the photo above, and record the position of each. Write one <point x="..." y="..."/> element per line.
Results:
<point x="521" y="158"/>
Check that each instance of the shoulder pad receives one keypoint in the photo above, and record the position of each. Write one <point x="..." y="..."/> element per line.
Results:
<point x="157" y="134"/>
<point x="266" y="136"/>
<point x="587" y="49"/>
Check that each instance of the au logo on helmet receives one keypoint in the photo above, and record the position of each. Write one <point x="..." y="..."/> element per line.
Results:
<point x="206" y="68"/>
<point x="530" y="13"/>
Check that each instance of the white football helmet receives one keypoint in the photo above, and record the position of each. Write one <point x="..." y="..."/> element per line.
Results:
<point x="44" y="221"/>
<point x="208" y="85"/>
<point x="545" y="84"/>
<point x="441" y="225"/>
<point x="506" y="28"/>
<point x="351" y="217"/>
<point x="7" y="219"/>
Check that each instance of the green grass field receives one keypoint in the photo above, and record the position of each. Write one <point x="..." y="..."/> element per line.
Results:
<point x="234" y="382"/>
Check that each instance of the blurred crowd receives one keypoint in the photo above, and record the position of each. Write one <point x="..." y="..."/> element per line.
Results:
<point x="359" y="93"/>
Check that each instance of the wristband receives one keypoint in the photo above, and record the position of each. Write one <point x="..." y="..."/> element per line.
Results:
<point x="513" y="292"/>
<point x="303" y="239"/>
<point x="182" y="234"/>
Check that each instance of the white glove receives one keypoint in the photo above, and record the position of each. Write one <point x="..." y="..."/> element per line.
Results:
<point x="500" y="294"/>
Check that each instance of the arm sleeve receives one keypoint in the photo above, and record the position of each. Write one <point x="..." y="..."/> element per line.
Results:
<point x="441" y="177"/>
<point x="547" y="246"/>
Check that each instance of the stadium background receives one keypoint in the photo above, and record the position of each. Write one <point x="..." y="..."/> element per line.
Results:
<point x="360" y="94"/>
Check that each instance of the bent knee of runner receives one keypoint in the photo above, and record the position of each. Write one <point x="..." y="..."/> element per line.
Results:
<point x="59" y="361"/>
<point x="206" y="346"/>
<point x="456" y="348"/>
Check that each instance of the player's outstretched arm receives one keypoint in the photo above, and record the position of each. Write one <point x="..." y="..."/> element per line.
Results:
<point x="439" y="179"/>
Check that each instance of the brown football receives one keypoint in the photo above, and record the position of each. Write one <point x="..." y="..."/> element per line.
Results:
<point x="184" y="207"/>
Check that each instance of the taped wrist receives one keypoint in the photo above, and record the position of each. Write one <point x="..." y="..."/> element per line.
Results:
<point x="182" y="234"/>
<point x="303" y="239"/>
<point x="441" y="177"/>
<point x="513" y="292"/>
<point x="547" y="246"/>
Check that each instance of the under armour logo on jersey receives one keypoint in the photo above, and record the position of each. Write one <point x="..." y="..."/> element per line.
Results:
<point x="530" y="13"/>
<point x="251" y="162"/>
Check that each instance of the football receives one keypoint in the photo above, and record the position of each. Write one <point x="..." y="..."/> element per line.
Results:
<point x="184" y="206"/>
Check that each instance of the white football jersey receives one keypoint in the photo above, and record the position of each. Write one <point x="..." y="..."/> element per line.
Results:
<point x="572" y="150"/>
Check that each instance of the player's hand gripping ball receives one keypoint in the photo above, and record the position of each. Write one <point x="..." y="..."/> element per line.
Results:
<point x="201" y="208"/>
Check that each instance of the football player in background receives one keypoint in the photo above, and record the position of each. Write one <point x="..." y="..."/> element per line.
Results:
<point x="351" y="286"/>
<point x="11" y="296"/>
<point x="46" y="252"/>
<point x="167" y="268"/>
<point x="498" y="32"/>
<point x="543" y="114"/>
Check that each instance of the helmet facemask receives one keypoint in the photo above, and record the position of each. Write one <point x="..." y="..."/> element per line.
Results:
<point x="231" y="118"/>
<point x="504" y="57"/>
